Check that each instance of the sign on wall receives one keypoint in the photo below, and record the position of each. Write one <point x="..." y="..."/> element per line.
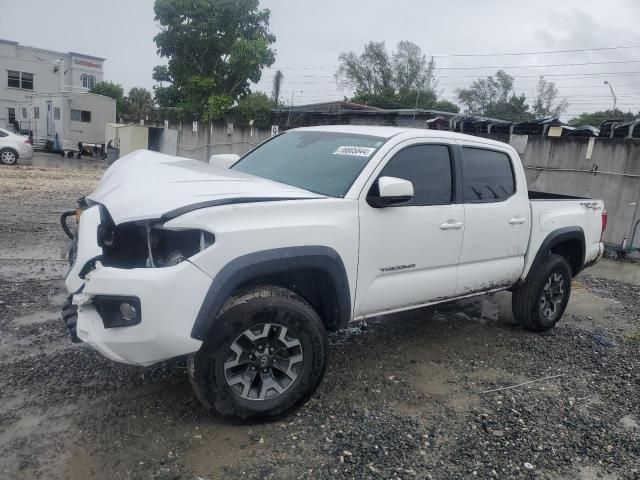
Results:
<point x="195" y="127"/>
<point x="275" y="130"/>
<point x="166" y="124"/>
<point x="87" y="63"/>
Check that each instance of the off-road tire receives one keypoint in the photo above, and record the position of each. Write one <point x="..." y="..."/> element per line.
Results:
<point x="6" y="158"/>
<point x="526" y="299"/>
<point x="240" y="312"/>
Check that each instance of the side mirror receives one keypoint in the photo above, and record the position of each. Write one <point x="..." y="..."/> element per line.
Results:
<point x="223" y="160"/>
<point x="390" y="191"/>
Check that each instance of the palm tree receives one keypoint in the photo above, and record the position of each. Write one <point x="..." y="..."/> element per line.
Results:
<point x="277" y="84"/>
<point x="139" y="103"/>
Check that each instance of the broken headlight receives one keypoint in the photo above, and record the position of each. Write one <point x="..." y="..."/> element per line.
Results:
<point x="169" y="247"/>
<point x="136" y="245"/>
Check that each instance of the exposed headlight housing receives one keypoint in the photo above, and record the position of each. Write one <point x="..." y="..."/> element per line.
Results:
<point x="136" y="245"/>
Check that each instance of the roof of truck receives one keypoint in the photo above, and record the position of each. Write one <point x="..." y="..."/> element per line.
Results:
<point x="388" y="132"/>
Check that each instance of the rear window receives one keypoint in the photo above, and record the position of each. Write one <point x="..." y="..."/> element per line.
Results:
<point x="322" y="162"/>
<point x="487" y="175"/>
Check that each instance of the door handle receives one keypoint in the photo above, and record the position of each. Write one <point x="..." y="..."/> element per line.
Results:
<point x="451" y="225"/>
<point x="517" y="220"/>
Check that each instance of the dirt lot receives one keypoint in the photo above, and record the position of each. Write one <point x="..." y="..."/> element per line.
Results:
<point x="406" y="398"/>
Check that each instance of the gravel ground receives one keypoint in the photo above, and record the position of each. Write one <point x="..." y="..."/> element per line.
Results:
<point x="408" y="397"/>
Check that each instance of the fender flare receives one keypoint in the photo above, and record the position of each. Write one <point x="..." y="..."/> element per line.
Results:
<point x="556" y="237"/>
<point x="267" y="262"/>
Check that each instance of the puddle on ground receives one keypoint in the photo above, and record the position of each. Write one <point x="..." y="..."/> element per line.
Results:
<point x="58" y="161"/>
<point x="626" y="272"/>
<point x="223" y="445"/>
<point x="30" y="424"/>
<point x="37" y="317"/>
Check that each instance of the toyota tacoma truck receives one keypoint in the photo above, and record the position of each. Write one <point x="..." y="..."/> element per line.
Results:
<point x="244" y="269"/>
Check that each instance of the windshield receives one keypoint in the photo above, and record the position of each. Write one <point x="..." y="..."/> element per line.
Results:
<point x="321" y="162"/>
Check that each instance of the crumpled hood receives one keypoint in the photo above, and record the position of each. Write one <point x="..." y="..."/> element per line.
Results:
<point x="146" y="185"/>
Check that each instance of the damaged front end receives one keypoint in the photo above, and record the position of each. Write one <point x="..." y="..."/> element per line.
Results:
<point x="123" y="280"/>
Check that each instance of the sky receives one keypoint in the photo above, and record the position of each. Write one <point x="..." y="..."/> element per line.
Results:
<point x="312" y="34"/>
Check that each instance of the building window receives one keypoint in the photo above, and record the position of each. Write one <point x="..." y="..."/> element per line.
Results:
<point x="56" y="113"/>
<point x="81" y="116"/>
<point x="13" y="79"/>
<point x="23" y="110"/>
<point x="36" y="113"/>
<point x="92" y="81"/>
<point x="12" y="115"/>
<point x="85" y="80"/>
<point x="27" y="81"/>
<point x="17" y="79"/>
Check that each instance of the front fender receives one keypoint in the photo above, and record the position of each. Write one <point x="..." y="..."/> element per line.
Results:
<point x="270" y="262"/>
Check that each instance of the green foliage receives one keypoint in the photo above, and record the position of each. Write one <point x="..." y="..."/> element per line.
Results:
<point x="495" y="97"/>
<point x="410" y="98"/>
<point x="488" y="96"/>
<point x="256" y="107"/>
<point x="115" y="91"/>
<point x="404" y="79"/>
<point x="215" y="49"/>
<point x="546" y="93"/>
<point x="596" y="118"/>
<point x="216" y="106"/>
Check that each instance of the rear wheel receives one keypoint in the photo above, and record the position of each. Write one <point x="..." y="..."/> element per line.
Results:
<point x="539" y="304"/>
<point x="266" y="354"/>
<point x="8" y="156"/>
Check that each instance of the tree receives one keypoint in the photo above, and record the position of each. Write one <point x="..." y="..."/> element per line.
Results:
<point x="277" y="85"/>
<point x="370" y="72"/>
<point x="139" y="103"/>
<point x="256" y="107"/>
<point x="215" y="49"/>
<point x="596" y="118"/>
<point x="404" y="79"/>
<point x="546" y="93"/>
<point x="115" y="91"/>
<point x="494" y="97"/>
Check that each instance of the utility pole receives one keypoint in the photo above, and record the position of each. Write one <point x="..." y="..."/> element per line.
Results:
<point x="427" y="86"/>
<point x="290" y="106"/>
<point x="615" y="99"/>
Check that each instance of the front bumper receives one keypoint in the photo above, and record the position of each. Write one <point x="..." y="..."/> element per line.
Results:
<point x="170" y="299"/>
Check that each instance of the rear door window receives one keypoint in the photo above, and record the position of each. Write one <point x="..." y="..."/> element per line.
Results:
<point x="487" y="176"/>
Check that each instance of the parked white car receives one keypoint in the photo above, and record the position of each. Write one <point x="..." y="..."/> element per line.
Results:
<point x="245" y="269"/>
<point x="13" y="147"/>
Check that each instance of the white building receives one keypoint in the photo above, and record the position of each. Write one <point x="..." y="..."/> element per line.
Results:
<point x="47" y="92"/>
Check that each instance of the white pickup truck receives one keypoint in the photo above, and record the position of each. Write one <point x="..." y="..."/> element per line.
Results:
<point x="244" y="269"/>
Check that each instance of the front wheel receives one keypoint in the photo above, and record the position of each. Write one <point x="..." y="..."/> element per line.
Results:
<point x="8" y="156"/>
<point x="539" y="304"/>
<point x="266" y="353"/>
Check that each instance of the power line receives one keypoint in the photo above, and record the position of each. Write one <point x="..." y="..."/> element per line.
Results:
<point x="544" y="52"/>
<point x="503" y="54"/>
<point x="494" y="67"/>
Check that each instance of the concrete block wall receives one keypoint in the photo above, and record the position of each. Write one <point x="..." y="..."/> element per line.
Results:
<point x="609" y="170"/>
<point x="216" y="138"/>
